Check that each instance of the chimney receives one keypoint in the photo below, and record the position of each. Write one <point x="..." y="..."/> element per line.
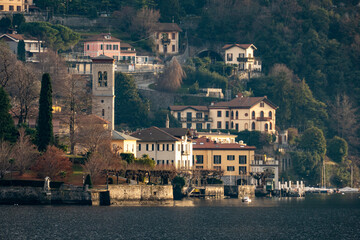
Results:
<point x="167" y="124"/>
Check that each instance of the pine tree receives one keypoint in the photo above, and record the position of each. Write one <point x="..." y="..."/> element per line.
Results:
<point x="44" y="126"/>
<point x="21" y="50"/>
<point x="7" y="126"/>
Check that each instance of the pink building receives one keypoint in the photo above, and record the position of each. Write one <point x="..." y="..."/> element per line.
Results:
<point x="102" y="44"/>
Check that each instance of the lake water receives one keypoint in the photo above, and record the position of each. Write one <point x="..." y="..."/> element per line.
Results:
<point x="313" y="217"/>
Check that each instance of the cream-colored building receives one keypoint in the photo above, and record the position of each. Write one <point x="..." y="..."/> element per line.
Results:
<point x="15" y="5"/>
<point x="243" y="56"/>
<point x="167" y="146"/>
<point x="103" y="88"/>
<point x="218" y="136"/>
<point x="241" y="113"/>
<point x="166" y="38"/>
<point x="232" y="158"/>
<point x="122" y="143"/>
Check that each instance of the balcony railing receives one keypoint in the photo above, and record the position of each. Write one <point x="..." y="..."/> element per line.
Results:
<point x="263" y="119"/>
<point x="245" y="59"/>
<point x="185" y="119"/>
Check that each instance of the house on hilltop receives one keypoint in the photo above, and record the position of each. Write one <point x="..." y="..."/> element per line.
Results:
<point x="241" y="113"/>
<point x="166" y="38"/>
<point x="242" y="55"/>
<point x="102" y="44"/>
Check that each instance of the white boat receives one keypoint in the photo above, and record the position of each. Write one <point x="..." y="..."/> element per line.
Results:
<point x="348" y="190"/>
<point x="246" y="199"/>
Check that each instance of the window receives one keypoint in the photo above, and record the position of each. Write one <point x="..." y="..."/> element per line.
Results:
<point x="217" y="159"/>
<point x="237" y="126"/>
<point x="188" y="125"/>
<point x="163" y="147"/>
<point x="242" y="159"/>
<point x="173" y="36"/>
<point x="101" y="46"/>
<point x="208" y="126"/>
<point x="230" y="168"/>
<point x="158" y="162"/>
<point x="11" y="8"/>
<point x="227" y="113"/>
<point x="1" y="7"/>
<point x="270" y="114"/>
<point x="116" y="47"/>
<point x="87" y="47"/>
<point x="242" y="170"/>
<point x="189" y="116"/>
<point x="167" y="147"/>
<point x="237" y="114"/>
<point x="147" y="147"/>
<point x="261" y="104"/>
<point x="219" y="113"/>
<point x="173" y="48"/>
<point x="219" y="125"/>
<point x="108" y="46"/>
<point x="253" y="126"/>
<point x="172" y="147"/>
<point x="103" y="112"/>
<point x="198" y="115"/>
<point x="199" y="159"/>
<point x="253" y="115"/>
<point x="229" y="56"/>
<point x="158" y="147"/>
<point x="179" y="116"/>
<point x="226" y="125"/>
<point x="246" y="114"/>
<point x="105" y="79"/>
<point x="139" y="147"/>
<point x="270" y="126"/>
<point x="232" y="125"/>
<point x="266" y="127"/>
<point x="199" y="126"/>
<point x="230" y="157"/>
<point x="261" y="114"/>
<point x="232" y="114"/>
<point x="152" y="147"/>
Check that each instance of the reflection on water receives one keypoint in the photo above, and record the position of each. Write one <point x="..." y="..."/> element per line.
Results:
<point x="314" y="217"/>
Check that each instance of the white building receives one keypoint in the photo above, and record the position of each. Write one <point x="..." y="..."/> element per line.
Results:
<point x="243" y="56"/>
<point x="167" y="146"/>
<point x="260" y="165"/>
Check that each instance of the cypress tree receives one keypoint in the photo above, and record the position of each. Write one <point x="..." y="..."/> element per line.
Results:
<point x="21" y="50"/>
<point x="7" y="127"/>
<point x="44" y="125"/>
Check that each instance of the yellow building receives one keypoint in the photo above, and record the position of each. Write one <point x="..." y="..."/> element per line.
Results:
<point x="166" y="38"/>
<point x="15" y="5"/>
<point x="241" y="113"/>
<point x="122" y="143"/>
<point x="232" y="158"/>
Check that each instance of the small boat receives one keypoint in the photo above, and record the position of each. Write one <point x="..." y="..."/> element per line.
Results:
<point x="246" y="199"/>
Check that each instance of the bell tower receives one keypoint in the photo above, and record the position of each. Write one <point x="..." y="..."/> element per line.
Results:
<point x="103" y="88"/>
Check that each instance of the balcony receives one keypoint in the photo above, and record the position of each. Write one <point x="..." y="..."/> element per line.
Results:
<point x="185" y="119"/>
<point x="165" y="41"/>
<point x="263" y="119"/>
<point x="245" y="59"/>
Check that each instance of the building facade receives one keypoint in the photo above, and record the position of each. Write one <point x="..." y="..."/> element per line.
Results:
<point x="260" y="164"/>
<point x="165" y="148"/>
<point x="166" y="38"/>
<point x="103" y="44"/>
<point x="103" y="88"/>
<point x="242" y="55"/>
<point x="15" y="5"/>
<point x="241" y="113"/>
<point x="232" y="158"/>
<point x="122" y="143"/>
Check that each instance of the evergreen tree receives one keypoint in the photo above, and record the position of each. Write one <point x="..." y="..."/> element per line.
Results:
<point x="7" y="126"/>
<point x="44" y="126"/>
<point x="21" y="50"/>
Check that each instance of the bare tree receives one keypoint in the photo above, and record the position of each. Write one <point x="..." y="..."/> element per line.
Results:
<point x="24" y="151"/>
<point x="92" y="134"/>
<point x="95" y="166"/>
<point x="24" y="88"/>
<point x="5" y="156"/>
<point x="144" y="22"/>
<point x="172" y="77"/>
<point x="123" y="18"/>
<point x="7" y="64"/>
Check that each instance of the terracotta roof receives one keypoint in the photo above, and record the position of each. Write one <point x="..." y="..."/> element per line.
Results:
<point x="162" y="27"/>
<point x="243" y="46"/>
<point x="181" y="108"/>
<point x="154" y="134"/>
<point x="18" y="37"/>
<point x="102" y="37"/>
<point x="93" y="119"/>
<point x="207" y="144"/>
<point x="102" y="58"/>
<point x="177" y="132"/>
<point x="243" y="102"/>
<point x="115" y="135"/>
<point x="127" y="45"/>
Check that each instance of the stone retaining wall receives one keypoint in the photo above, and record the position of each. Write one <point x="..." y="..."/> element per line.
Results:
<point x="246" y="191"/>
<point x="216" y="191"/>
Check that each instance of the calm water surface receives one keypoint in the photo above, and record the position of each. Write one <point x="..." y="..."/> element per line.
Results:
<point x="315" y="217"/>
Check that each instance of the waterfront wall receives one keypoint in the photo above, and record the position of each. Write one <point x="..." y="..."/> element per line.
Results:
<point x="215" y="191"/>
<point x="246" y="191"/>
<point x="125" y="194"/>
<point x="37" y="195"/>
